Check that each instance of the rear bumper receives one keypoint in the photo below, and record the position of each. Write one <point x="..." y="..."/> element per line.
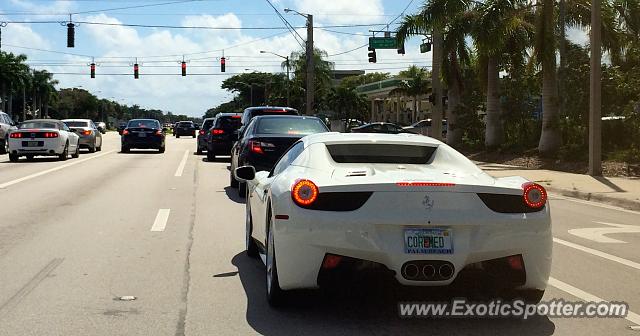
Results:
<point x="85" y="142"/>
<point x="220" y="147"/>
<point x="202" y="142"/>
<point x="307" y="236"/>
<point x="185" y="132"/>
<point x="142" y="143"/>
<point x="50" y="147"/>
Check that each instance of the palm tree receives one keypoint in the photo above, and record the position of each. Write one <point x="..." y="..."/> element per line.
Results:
<point x="501" y="27"/>
<point x="346" y="102"/>
<point x="13" y="70"/>
<point x="323" y="75"/>
<point x="416" y="84"/>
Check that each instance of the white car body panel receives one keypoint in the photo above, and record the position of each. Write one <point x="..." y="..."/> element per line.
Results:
<point x="49" y="144"/>
<point x="374" y="232"/>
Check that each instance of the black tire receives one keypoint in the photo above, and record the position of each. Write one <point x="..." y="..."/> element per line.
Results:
<point x="77" y="153"/>
<point x="92" y="149"/>
<point x="124" y="149"/>
<point x="177" y="136"/>
<point x="211" y="157"/>
<point x="29" y="157"/>
<point x="242" y="189"/>
<point x="99" y="148"/>
<point x="4" y="146"/>
<point x="199" y="151"/>
<point x="276" y="297"/>
<point x="193" y="136"/>
<point x="532" y="296"/>
<point x="161" y="149"/>
<point x="14" y="157"/>
<point x="65" y="153"/>
<point x="251" y="246"/>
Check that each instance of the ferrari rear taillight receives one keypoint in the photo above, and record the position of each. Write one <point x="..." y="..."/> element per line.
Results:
<point x="217" y="131"/>
<point x="534" y="195"/>
<point x="50" y="134"/>
<point x="125" y="132"/>
<point x="15" y="135"/>
<point x="304" y="192"/>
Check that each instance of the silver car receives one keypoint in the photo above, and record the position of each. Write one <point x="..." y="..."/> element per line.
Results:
<point x="6" y="126"/>
<point x="90" y="136"/>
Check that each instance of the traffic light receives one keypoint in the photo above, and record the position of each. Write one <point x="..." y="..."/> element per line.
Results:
<point x="135" y="71"/>
<point x="372" y="55"/>
<point x="71" y="35"/>
<point x="401" y="49"/>
<point x="223" y="62"/>
<point x="93" y="70"/>
<point x="184" y="68"/>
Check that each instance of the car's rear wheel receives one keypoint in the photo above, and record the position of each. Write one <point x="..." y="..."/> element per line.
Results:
<point x="29" y="157"/>
<point x="76" y="154"/>
<point x="275" y="295"/>
<point x="124" y="149"/>
<point x="177" y="136"/>
<point x="162" y="149"/>
<point x="92" y="149"/>
<point x="199" y="151"/>
<point x="65" y="153"/>
<point x="193" y="136"/>
<point x="14" y="157"/>
<point x="211" y="156"/>
<point x="251" y="246"/>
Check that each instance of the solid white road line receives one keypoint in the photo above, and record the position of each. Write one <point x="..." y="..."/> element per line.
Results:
<point x="598" y="253"/>
<point x="580" y="294"/>
<point x="161" y="220"/>
<point x="44" y="172"/>
<point x="183" y="162"/>
<point x="591" y="203"/>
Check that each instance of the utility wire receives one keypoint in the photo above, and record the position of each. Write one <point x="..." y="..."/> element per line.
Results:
<point x="131" y="7"/>
<point x="286" y="23"/>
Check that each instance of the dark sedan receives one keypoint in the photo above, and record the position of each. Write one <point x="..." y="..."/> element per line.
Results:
<point x="144" y="134"/>
<point x="185" y="128"/>
<point x="380" y="127"/>
<point x="266" y="138"/>
<point x="222" y="134"/>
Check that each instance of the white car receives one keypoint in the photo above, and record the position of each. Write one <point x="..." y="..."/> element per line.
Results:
<point x="47" y="137"/>
<point x="406" y="204"/>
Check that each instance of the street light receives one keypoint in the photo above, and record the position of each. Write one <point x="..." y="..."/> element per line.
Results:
<point x="309" y="55"/>
<point x="286" y="58"/>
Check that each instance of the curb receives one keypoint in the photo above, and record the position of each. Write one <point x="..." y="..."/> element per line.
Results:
<point x="620" y="202"/>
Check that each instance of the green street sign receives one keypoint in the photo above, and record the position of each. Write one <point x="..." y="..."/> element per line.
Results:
<point x="425" y="47"/>
<point x="383" y="43"/>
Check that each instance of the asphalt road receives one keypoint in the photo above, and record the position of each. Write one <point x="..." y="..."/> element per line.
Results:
<point x="78" y="236"/>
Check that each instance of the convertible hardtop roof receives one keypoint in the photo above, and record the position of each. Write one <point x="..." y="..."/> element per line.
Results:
<point x="335" y="137"/>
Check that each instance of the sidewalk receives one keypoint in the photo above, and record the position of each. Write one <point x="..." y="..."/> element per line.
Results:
<point x="620" y="191"/>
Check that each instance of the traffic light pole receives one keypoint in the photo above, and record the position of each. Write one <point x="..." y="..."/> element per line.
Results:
<point x="595" y="137"/>
<point x="310" y="67"/>
<point x="288" y="84"/>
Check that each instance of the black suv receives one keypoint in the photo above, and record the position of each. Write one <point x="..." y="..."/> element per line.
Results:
<point x="266" y="138"/>
<point x="221" y="136"/>
<point x="251" y="112"/>
<point x="202" y="135"/>
<point x="187" y="128"/>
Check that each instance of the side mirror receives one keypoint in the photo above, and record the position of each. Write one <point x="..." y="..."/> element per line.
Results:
<point x="245" y="173"/>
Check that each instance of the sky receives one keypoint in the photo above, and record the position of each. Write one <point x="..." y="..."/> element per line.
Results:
<point x="34" y="28"/>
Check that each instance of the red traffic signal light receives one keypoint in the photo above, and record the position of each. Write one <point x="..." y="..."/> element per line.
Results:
<point x="223" y="62"/>
<point x="184" y="68"/>
<point x="93" y="70"/>
<point x="135" y="71"/>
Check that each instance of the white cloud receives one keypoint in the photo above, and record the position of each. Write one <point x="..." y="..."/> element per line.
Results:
<point x="343" y="11"/>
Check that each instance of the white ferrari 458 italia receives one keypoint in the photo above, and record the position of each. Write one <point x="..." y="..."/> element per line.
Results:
<point x="405" y="204"/>
<point x="46" y="137"/>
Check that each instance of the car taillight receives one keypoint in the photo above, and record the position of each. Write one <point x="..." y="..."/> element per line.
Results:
<point x="236" y="117"/>
<point x="158" y="132"/>
<point x="87" y="132"/>
<point x="534" y="195"/>
<point x="51" y="135"/>
<point x="125" y="132"/>
<point x="15" y="135"/>
<point x="255" y="147"/>
<point x="201" y="132"/>
<point x="217" y="131"/>
<point x="304" y="192"/>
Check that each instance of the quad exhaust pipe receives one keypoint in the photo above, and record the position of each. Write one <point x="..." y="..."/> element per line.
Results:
<point x="427" y="270"/>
